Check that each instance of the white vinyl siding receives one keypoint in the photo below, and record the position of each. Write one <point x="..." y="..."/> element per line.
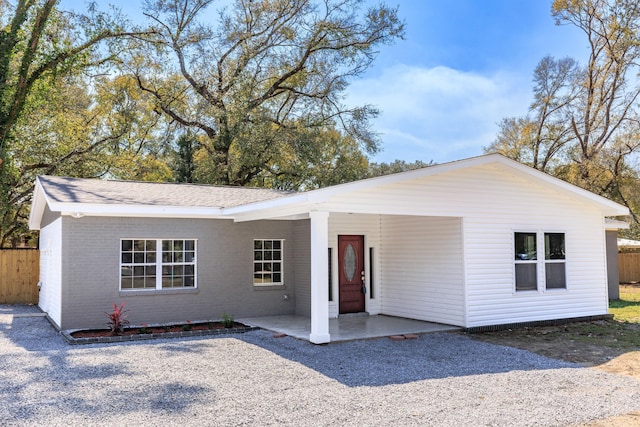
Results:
<point x="369" y="227"/>
<point x="51" y="270"/>
<point x="422" y="270"/>
<point x="491" y="294"/>
<point x="493" y="203"/>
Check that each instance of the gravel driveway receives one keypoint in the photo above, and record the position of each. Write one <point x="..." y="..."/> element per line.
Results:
<point x="255" y="379"/>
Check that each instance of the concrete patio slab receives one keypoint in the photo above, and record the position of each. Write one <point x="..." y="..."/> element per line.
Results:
<point x="347" y="328"/>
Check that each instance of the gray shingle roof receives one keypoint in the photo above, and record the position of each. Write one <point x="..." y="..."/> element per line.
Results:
<point x="98" y="191"/>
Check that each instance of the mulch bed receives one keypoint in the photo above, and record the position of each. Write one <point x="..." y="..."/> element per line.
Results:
<point x="155" y="329"/>
<point x="91" y="336"/>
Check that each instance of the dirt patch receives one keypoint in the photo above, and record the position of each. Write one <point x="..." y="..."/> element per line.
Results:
<point x="586" y="343"/>
<point x="606" y="345"/>
<point x="632" y="419"/>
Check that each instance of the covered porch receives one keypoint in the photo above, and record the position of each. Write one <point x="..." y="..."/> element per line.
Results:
<point x="347" y="328"/>
<point x="358" y="252"/>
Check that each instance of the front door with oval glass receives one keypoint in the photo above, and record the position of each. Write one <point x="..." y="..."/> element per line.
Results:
<point x="351" y="273"/>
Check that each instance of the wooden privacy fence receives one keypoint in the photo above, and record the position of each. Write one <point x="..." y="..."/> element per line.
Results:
<point x="629" y="267"/>
<point x="19" y="275"/>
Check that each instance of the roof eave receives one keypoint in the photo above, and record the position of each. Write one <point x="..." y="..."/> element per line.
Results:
<point x="85" y="209"/>
<point x="315" y="198"/>
<point x="78" y="210"/>
<point x="38" y="204"/>
<point x="614" y="224"/>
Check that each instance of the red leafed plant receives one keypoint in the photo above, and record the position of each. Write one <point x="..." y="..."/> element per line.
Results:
<point x="117" y="319"/>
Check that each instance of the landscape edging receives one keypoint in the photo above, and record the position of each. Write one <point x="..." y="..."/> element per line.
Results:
<point x="70" y="339"/>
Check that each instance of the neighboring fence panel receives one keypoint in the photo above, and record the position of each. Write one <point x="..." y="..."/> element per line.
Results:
<point x="19" y="275"/>
<point x="629" y="267"/>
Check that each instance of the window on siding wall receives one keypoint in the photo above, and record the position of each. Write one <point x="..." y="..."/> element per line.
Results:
<point x="267" y="262"/>
<point x="526" y="261"/>
<point x="157" y="264"/>
<point x="554" y="261"/>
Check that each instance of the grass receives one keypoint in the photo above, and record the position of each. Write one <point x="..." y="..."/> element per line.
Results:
<point x="609" y="333"/>
<point x="627" y="308"/>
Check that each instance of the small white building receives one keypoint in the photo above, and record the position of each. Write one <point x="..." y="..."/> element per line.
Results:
<point x="474" y="243"/>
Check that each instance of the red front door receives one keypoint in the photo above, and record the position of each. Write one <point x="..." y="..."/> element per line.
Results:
<point x="351" y="273"/>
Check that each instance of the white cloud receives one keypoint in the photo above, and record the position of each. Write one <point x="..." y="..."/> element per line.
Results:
<point x="439" y="113"/>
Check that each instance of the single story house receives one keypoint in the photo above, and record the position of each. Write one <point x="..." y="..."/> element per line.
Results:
<point x="472" y="243"/>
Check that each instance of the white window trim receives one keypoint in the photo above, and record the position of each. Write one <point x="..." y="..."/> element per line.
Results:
<point x="159" y="264"/>
<point x="540" y="261"/>
<point x="254" y="261"/>
<point x="554" y="261"/>
<point x="528" y="261"/>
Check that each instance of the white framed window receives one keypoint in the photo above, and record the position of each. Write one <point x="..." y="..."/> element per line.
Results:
<point x="526" y="261"/>
<point x="267" y="262"/>
<point x="157" y="264"/>
<point x="529" y="263"/>
<point x="554" y="261"/>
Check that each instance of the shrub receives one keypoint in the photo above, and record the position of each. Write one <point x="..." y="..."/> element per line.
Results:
<point x="117" y="319"/>
<point x="187" y="326"/>
<point x="227" y="320"/>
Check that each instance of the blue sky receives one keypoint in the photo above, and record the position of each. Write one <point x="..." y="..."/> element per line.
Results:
<point x="463" y="66"/>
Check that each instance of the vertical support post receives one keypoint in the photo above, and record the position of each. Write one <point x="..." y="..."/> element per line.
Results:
<point x="319" y="277"/>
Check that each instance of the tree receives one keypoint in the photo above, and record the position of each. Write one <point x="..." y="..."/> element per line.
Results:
<point x="584" y="123"/>
<point x="608" y="97"/>
<point x="380" y="169"/>
<point x="184" y="166"/>
<point x="269" y="72"/>
<point x="42" y="49"/>
<point x="80" y="130"/>
<point x="540" y="138"/>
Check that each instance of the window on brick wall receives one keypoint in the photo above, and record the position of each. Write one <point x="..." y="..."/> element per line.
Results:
<point x="157" y="264"/>
<point x="267" y="262"/>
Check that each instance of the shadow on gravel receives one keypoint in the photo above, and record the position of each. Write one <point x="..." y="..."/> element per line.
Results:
<point x="380" y="362"/>
<point x="376" y="362"/>
<point x="35" y="362"/>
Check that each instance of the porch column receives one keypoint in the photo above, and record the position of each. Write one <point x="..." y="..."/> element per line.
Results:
<point x="319" y="277"/>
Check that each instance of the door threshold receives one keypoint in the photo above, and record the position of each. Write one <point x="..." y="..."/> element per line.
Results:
<point x="360" y="314"/>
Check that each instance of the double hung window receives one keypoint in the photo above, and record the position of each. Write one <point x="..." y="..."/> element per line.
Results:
<point x="532" y="270"/>
<point x="554" y="261"/>
<point x="157" y="264"/>
<point x="267" y="262"/>
<point x="526" y="261"/>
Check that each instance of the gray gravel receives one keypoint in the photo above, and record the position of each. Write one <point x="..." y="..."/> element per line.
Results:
<point x="254" y="379"/>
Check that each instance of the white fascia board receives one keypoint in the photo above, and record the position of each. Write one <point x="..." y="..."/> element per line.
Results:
<point x="38" y="204"/>
<point x="294" y="211"/>
<point x="266" y="208"/>
<point x="614" y="224"/>
<point x="86" y="209"/>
